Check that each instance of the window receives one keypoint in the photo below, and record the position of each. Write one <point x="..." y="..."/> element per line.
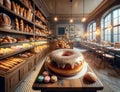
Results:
<point x="110" y="26"/>
<point x="92" y="31"/>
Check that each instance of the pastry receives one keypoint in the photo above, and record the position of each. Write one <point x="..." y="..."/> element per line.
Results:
<point x="65" y="62"/>
<point x="91" y="77"/>
<point x="54" y="78"/>
<point x="45" y="73"/>
<point x="40" y="78"/>
<point x="47" y="79"/>
<point x="16" y="24"/>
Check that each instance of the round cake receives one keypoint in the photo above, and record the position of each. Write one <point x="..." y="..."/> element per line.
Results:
<point x="65" y="62"/>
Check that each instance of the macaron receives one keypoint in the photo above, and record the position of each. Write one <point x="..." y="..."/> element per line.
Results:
<point x="54" y="78"/>
<point x="47" y="79"/>
<point x="40" y="78"/>
<point x="45" y="73"/>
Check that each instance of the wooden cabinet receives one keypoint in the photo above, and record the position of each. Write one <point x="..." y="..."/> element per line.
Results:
<point x="28" y="23"/>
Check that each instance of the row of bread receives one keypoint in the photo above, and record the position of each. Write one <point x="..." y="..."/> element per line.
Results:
<point x="18" y="9"/>
<point x="39" y="23"/>
<point x="41" y="32"/>
<point x="38" y="14"/>
<point x="40" y="49"/>
<point x="19" y="25"/>
<point x="11" y="62"/>
<point x="9" y="39"/>
<point x="8" y="64"/>
<point x="13" y="49"/>
<point x="61" y="44"/>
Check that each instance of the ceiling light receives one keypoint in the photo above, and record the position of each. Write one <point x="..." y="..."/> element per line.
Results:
<point x="71" y="19"/>
<point x="55" y="18"/>
<point x="83" y="18"/>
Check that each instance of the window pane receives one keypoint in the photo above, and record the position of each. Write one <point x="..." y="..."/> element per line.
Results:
<point x="115" y="13"/>
<point x="115" y="38"/>
<point x="115" y="21"/>
<point x="115" y="30"/>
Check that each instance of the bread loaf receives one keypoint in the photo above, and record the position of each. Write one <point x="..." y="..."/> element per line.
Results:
<point x="21" y="25"/>
<point x="24" y="13"/>
<point x="16" y="24"/>
<point x="17" y="8"/>
<point x="91" y="77"/>
<point x="13" y="6"/>
<point x="21" y="11"/>
<point x="4" y="19"/>
<point x="7" y="4"/>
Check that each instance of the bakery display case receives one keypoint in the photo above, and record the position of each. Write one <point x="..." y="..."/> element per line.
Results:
<point x="23" y="41"/>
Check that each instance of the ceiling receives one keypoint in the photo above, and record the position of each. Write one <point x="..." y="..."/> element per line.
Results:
<point x="63" y="8"/>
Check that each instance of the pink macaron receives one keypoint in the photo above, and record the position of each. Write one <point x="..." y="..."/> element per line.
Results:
<point x="45" y="73"/>
<point x="47" y="79"/>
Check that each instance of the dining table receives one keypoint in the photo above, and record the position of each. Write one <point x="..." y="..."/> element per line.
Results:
<point x="79" y="84"/>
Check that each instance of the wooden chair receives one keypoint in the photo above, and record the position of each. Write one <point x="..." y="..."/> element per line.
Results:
<point x="108" y="57"/>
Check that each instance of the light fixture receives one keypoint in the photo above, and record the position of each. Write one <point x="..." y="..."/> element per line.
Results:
<point x="55" y="18"/>
<point x="71" y="18"/>
<point x="83" y="18"/>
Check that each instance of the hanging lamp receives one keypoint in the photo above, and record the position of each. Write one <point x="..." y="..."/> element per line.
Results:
<point x="71" y="18"/>
<point x="55" y="18"/>
<point x="83" y="18"/>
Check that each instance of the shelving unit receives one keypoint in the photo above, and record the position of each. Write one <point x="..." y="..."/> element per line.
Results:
<point x="11" y="78"/>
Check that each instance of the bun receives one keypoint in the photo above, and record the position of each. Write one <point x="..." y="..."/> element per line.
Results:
<point x="91" y="77"/>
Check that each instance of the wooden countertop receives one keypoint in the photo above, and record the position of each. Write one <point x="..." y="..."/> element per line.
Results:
<point x="70" y="85"/>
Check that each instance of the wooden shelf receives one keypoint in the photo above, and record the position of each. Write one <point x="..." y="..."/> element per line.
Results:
<point x="12" y="12"/>
<point x="14" y="53"/>
<point x="40" y="19"/>
<point x="38" y="26"/>
<point x="15" y="31"/>
<point x="12" y="44"/>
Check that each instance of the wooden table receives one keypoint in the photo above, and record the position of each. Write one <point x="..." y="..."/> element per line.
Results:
<point x="70" y="85"/>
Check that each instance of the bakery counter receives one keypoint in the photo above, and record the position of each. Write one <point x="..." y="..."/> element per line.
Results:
<point x="64" y="84"/>
<point x="13" y="71"/>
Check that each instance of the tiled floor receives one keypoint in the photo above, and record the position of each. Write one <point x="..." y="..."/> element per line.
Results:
<point x="110" y="77"/>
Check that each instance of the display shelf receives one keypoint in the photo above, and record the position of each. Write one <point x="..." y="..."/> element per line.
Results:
<point x="12" y="44"/>
<point x="15" y="14"/>
<point x="40" y="35"/>
<point x="14" y="53"/>
<point x="38" y="26"/>
<point x="15" y="31"/>
<point x="40" y="19"/>
<point x="20" y="1"/>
